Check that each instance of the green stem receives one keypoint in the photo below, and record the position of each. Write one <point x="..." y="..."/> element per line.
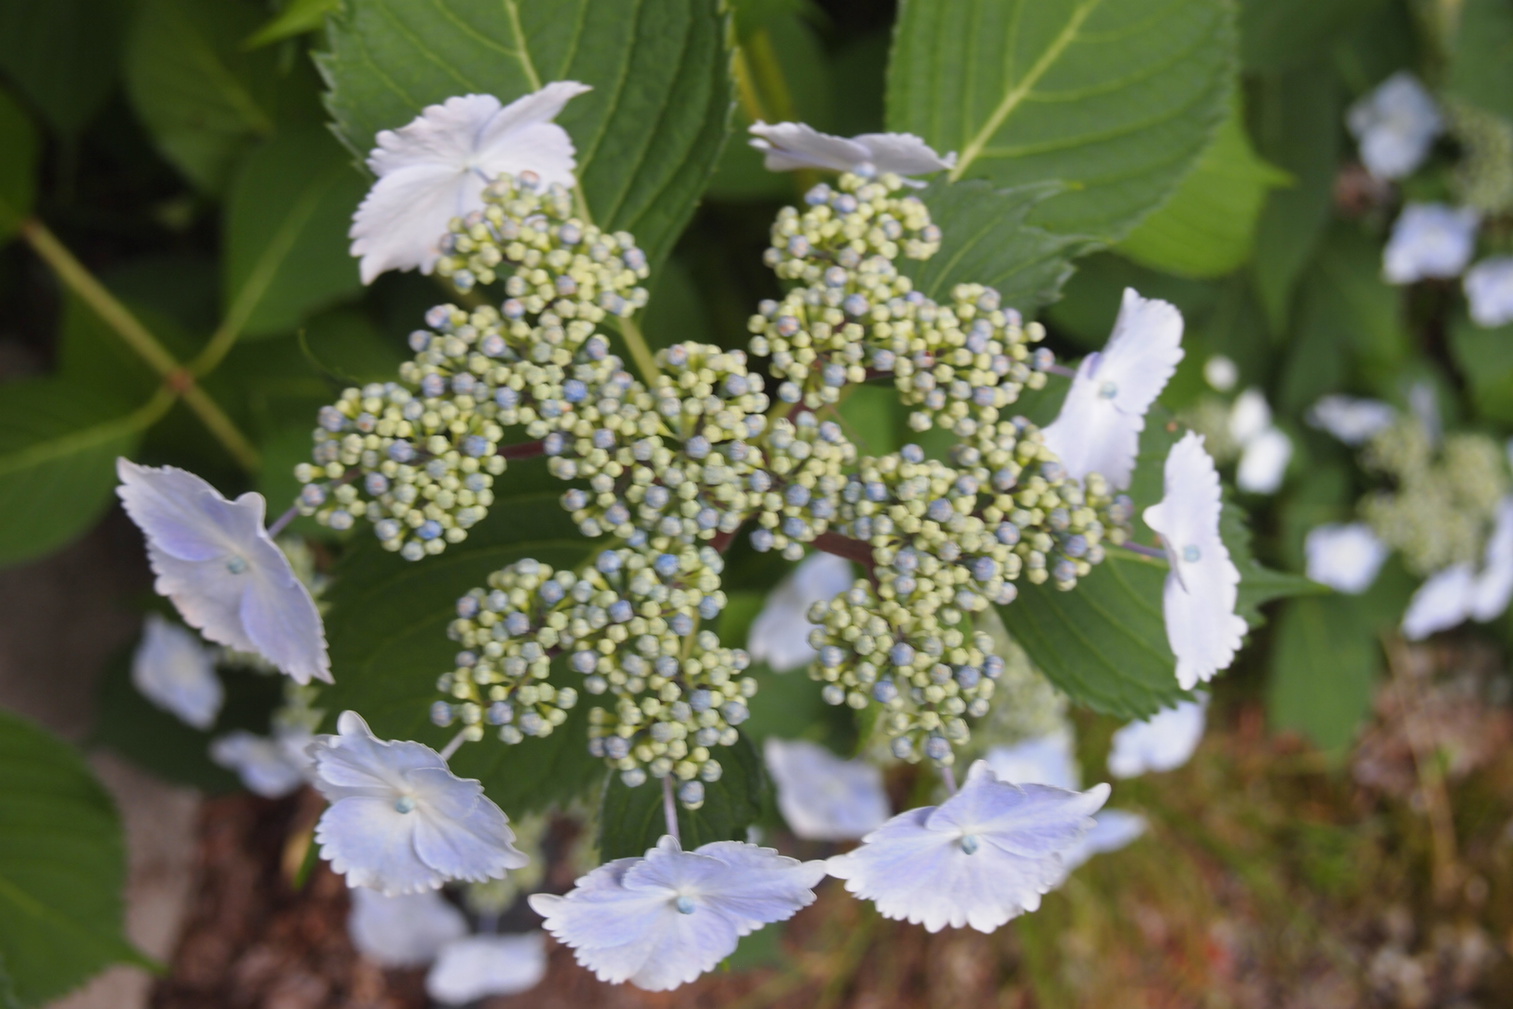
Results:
<point x="640" y="351"/>
<point x="177" y="380"/>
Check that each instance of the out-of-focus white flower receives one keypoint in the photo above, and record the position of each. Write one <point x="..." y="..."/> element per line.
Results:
<point x="1044" y="760"/>
<point x="662" y="920"/>
<point x="1489" y="289"/>
<point x="1163" y="742"/>
<point x="403" y="931"/>
<point x="176" y="671"/>
<point x="788" y="146"/>
<point x="1461" y="592"/>
<point x="1203" y="587"/>
<point x="1220" y="373"/>
<point x="400" y="821"/>
<point x="983" y="856"/>
<point x="779" y="635"/>
<point x="1396" y="125"/>
<point x="821" y="796"/>
<point x="217" y="563"/>
<point x="1353" y="421"/>
<point x="1345" y="557"/>
<point x="268" y="766"/>
<point x="1430" y="240"/>
<point x="1263" y="462"/>
<point x="482" y="966"/>
<point x="1250" y="416"/>
<point x="1113" y="829"/>
<point x="435" y="168"/>
<point x="1098" y="429"/>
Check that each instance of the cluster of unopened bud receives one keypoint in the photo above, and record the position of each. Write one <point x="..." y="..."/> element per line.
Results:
<point x="1443" y="502"/>
<point x="1483" y="177"/>
<point x="926" y="673"/>
<point x="528" y="234"/>
<point x="799" y="494"/>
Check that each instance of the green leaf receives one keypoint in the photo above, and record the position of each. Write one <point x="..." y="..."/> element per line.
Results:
<point x="387" y="627"/>
<point x="1324" y="668"/>
<point x="631" y="820"/>
<point x="346" y="345"/>
<point x="1298" y="129"/>
<point x="1208" y="226"/>
<point x="203" y="99"/>
<point x="157" y="741"/>
<point x="985" y="240"/>
<point x="286" y="231"/>
<point x="297" y="18"/>
<point x="62" y="866"/>
<point x="1485" y="357"/>
<point x="64" y="55"/>
<point x="1258" y="584"/>
<point x="1481" y="65"/>
<point x="1283" y="34"/>
<point x="1115" y="98"/>
<point x="648" y="135"/>
<point x="18" y="169"/>
<point x="58" y="449"/>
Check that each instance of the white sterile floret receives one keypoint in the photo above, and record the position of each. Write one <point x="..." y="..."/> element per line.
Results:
<point x="1203" y="587"/>
<point x="1263" y="462"/>
<point x="1430" y="240"/>
<point x="779" y="635"/>
<point x="983" y="856"/>
<point x="270" y="766"/>
<point x="1098" y="429"/>
<point x="435" y="168"/>
<point x="1461" y="592"/>
<point x="1163" y="742"/>
<point x="223" y="571"/>
<point x="788" y="146"/>
<point x="1221" y="373"/>
<point x="1044" y="760"/>
<point x="176" y="671"/>
<point x="403" y="931"/>
<point x="1395" y="125"/>
<point x="1249" y="416"/>
<point x="1489" y="289"/>
<point x="482" y="966"/>
<point x="823" y="797"/>
<point x="662" y="920"/>
<point x="1351" y="420"/>
<point x="400" y="821"/>
<point x="1346" y="557"/>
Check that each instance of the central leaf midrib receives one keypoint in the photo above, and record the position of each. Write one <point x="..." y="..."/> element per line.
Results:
<point x="1017" y="94"/>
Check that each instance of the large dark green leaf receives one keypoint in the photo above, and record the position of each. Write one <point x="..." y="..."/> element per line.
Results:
<point x="18" y="169"/>
<point x="1283" y="34"/>
<point x="1208" y="227"/>
<point x="58" y="447"/>
<point x="1324" y="668"/>
<point x="649" y="133"/>
<point x="62" y="865"/>
<point x="985" y="240"/>
<point x="286" y="231"/>
<point x="1485" y="357"/>
<point x="1481" y="66"/>
<point x="631" y="820"/>
<point x="64" y="55"/>
<point x="1115" y="98"/>
<point x="387" y="627"/>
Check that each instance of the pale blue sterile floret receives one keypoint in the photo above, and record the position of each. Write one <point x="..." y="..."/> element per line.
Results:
<point x="214" y="559"/>
<point x="980" y="858"/>
<point x="1395" y="125"/>
<point x="408" y="930"/>
<point x="479" y="966"/>
<point x="270" y="766"/>
<point x="175" y="670"/>
<point x="399" y="820"/>
<point x="779" y="635"/>
<point x="1346" y="557"/>
<point x="1163" y="742"/>
<point x="1489" y="291"/>
<point x="824" y="797"/>
<point x="662" y="920"/>
<point x="1430" y="241"/>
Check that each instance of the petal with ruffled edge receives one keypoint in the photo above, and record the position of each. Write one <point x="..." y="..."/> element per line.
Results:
<point x="280" y="616"/>
<point x="1443" y="601"/>
<point x="788" y="146"/>
<point x="404" y="931"/>
<point x="481" y="966"/>
<point x="1098" y="429"/>
<point x="823" y="797"/>
<point x="757" y="887"/>
<point x="370" y="842"/>
<point x="460" y="832"/>
<point x="1030" y="820"/>
<point x="1346" y="557"/>
<point x="356" y="762"/>
<point x="435" y="168"/>
<point x="1163" y="742"/>
<point x="174" y="670"/>
<point x="1201" y="592"/>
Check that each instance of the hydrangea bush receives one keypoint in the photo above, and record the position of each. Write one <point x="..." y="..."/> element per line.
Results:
<point x="521" y="535"/>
